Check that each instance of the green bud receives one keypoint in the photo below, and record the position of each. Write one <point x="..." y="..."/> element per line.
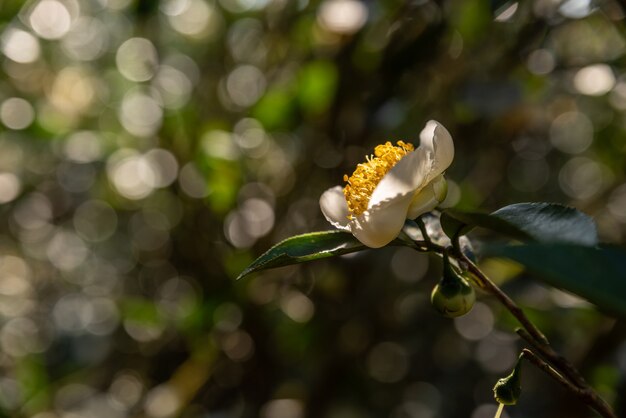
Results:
<point x="508" y="389"/>
<point x="440" y="189"/>
<point x="453" y="296"/>
<point x="470" y="277"/>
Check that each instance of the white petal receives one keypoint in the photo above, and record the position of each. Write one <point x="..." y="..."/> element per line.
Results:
<point x="379" y="225"/>
<point x="428" y="198"/>
<point x="408" y="175"/>
<point x="437" y="138"/>
<point x="334" y="207"/>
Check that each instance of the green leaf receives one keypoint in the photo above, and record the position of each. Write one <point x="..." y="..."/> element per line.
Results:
<point x="596" y="274"/>
<point x="451" y="225"/>
<point x="306" y="247"/>
<point x="551" y="222"/>
<point x="458" y="222"/>
<point x="540" y="222"/>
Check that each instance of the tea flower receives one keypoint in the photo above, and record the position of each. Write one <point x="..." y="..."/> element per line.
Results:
<point x="397" y="183"/>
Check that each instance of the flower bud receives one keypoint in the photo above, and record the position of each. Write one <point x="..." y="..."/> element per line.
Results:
<point x="508" y="389"/>
<point x="453" y="296"/>
<point x="440" y="189"/>
<point x="470" y="277"/>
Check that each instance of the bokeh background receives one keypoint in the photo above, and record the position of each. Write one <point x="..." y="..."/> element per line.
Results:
<point x="150" y="150"/>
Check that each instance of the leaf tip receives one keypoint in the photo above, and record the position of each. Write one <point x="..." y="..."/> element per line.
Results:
<point x="245" y="273"/>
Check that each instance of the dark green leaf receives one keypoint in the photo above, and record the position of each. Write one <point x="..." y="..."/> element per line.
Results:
<point x="306" y="247"/>
<point x="551" y="222"/>
<point x="596" y="274"/>
<point x="455" y="221"/>
<point x="540" y="222"/>
<point x="451" y="225"/>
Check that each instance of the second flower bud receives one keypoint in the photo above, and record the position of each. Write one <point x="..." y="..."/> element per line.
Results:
<point x="453" y="296"/>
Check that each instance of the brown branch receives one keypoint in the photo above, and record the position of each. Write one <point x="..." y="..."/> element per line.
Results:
<point x="537" y="361"/>
<point x="555" y="358"/>
<point x="575" y="382"/>
<point x="515" y="310"/>
<point x="587" y="395"/>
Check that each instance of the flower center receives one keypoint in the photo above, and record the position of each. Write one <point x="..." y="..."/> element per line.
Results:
<point x="367" y="175"/>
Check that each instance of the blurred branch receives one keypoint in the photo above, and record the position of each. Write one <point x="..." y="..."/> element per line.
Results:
<point x="190" y="377"/>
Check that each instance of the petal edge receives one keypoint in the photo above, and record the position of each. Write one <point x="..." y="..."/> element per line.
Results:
<point x="436" y="138"/>
<point x="334" y="207"/>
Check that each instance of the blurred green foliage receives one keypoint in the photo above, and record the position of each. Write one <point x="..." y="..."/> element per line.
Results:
<point x="150" y="150"/>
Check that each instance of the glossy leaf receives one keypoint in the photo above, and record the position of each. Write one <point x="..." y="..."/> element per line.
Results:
<point x="551" y="222"/>
<point x="596" y="274"/>
<point x="540" y="222"/>
<point x="455" y="221"/>
<point x="306" y="247"/>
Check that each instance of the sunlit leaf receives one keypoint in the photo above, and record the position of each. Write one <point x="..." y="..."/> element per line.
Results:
<point x="306" y="247"/>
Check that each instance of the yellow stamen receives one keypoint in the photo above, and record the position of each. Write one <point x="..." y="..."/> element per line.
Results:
<point x="367" y="175"/>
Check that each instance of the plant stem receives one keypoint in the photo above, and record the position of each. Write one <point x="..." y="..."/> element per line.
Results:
<point x="499" y="411"/>
<point x="556" y="366"/>
<point x="551" y="371"/>
<point x="423" y="230"/>
<point x="515" y="310"/>
<point x="559" y="361"/>
<point x="587" y="395"/>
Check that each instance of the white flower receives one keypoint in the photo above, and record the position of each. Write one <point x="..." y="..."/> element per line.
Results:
<point x="396" y="185"/>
